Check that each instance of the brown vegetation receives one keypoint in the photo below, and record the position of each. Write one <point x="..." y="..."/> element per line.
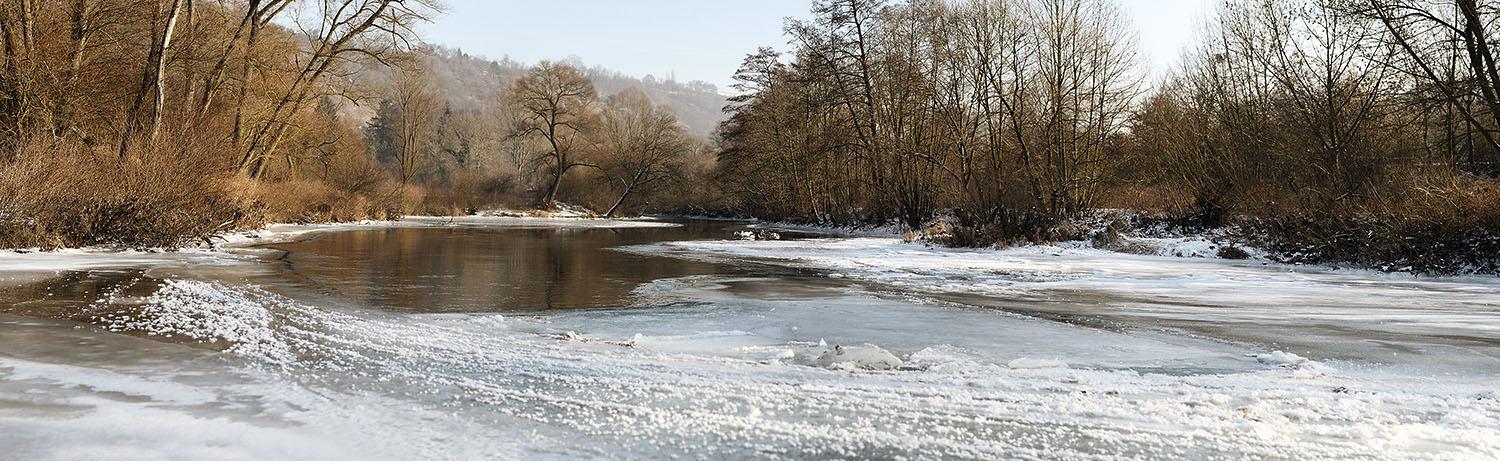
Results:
<point x="644" y="147"/>
<point x="158" y="123"/>
<point x="999" y="110"/>
<point x="1358" y="131"/>
<point x="1363" y="131"/>
<point x="113" y="130"/>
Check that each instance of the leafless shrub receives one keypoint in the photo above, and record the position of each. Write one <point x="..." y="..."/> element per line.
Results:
<point x="70" y="198"/>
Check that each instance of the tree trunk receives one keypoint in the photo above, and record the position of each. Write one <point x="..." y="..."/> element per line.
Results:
<point x="28" y="26"/>
<point x="81" y="35"/>
<point x="211" y="83"/>
<point x="616" y="206"/>
<point x="9" y="47"/>
<point x="161" y="68"/>
<point x="1482" y="60"/>
<point x="244" y="92"/>
<point x="190" y="36"/>
<point x="151" y="82"/>
<point x="550" y="202"/>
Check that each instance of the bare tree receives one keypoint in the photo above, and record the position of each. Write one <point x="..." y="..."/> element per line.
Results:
<point x="1432" y="34"/>
<point x="419" y="106"/>
<point x="257" y="14"/>
<point x="643" y="142"/>
<point x="17" y="21"/>
<point x="1085" y="64"/>
<point x="344" y="30"/>
<point x="153" y="81"/>
<point x="458" y="136"/>
<point x="559" y="105"/>
<point x="994" y="50"/>
<point x="894" y="111"/>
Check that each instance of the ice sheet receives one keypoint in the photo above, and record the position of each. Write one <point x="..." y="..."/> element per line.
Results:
<point x="711" y="373"/>
<point x="1346" y="314"/>
<point x="732" y="367"/>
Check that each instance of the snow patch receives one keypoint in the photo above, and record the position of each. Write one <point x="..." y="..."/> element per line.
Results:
<point x="208" y="312"/>
<point x="1301" y="366"/>
<point x="1027" y="363"/>
<point x="862" y="357"/>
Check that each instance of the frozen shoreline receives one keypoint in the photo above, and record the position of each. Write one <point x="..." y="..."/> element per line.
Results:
<point x="638" y="383"/>
<point x="21" y="266"/>
<point x="1369" y="315"/>
<point x="1203" y="246"/>
<point x="742" y="366"/>
<point x="1173" y="282"/>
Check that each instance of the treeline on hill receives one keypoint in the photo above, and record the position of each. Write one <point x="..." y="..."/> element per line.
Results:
<point x="1350" y="131"/>
<point x="478" y="133"/>
<point x="155" y="123"/>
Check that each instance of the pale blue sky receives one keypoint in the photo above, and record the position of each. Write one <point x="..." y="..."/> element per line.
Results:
<point x="699" y="39"/>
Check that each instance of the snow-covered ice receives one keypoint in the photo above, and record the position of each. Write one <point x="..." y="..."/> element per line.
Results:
<point x="1090" y="355"/>
<point x="1362" y="314"/>
<point x="598" y="398"/>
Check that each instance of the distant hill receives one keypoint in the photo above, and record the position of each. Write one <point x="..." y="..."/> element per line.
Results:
<point x="474" y="83"/>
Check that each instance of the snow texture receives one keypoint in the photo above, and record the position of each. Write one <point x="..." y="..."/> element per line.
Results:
<point x="859" y="365"/>
<point x="915" y="381"/>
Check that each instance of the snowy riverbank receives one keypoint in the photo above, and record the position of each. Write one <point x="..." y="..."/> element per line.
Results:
<point x="231" y="248"/>
<point x="1358" y="309"/>
<point x="866" y="347"/>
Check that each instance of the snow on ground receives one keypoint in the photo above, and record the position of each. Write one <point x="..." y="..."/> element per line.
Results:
<point x="722" y="376"/>
<point x="28" y="264"/>
<point x="887" y="230"/>
<point x="1365" y="314"/>
<point x="1031" y="269"/>
<point x="543" y="223"/>
<point x="275" y="233"/>
<point x="1193" y="246"/>
<point x="561" y="210"/>
<point x="750" y="367"/>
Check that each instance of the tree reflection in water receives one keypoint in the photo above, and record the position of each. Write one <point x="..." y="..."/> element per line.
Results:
<point x="470" y="269"/>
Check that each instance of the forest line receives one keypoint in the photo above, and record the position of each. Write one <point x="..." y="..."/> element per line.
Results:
<point x="1327" y="130"/>
<point x="159" y="123"/>
<point x="1363" y="131"/>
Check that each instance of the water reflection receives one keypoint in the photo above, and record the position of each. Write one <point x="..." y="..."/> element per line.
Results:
<point x="474" y="269"/>
<point x="77" y="295"/>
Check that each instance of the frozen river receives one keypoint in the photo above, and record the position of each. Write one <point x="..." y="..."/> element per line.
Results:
<point x="526" y="339"/>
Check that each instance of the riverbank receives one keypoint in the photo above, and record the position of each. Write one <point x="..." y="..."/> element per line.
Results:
<point x="1406" y="247"/>
<point x="1041" y="351"/>
<point x="229" y="248"/>
<point x="1115" y="232"/>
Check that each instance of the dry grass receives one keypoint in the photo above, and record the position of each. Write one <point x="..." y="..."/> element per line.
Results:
<point x="65" y="196"/>
<point x="303" y="202"/>
<point x="70" y="198"/>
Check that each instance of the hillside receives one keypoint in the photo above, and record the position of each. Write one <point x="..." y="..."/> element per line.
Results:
<point x="472" y="83"/>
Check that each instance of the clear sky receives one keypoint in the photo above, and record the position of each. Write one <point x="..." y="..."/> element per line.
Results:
<point x="699" y="39"/>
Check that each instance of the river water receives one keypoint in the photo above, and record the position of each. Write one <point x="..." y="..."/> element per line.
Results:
<point x="519" y="339"/>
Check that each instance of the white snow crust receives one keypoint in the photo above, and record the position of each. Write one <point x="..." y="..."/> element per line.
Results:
<point x="220" y="370"/>
<point x="732" y="378"/>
